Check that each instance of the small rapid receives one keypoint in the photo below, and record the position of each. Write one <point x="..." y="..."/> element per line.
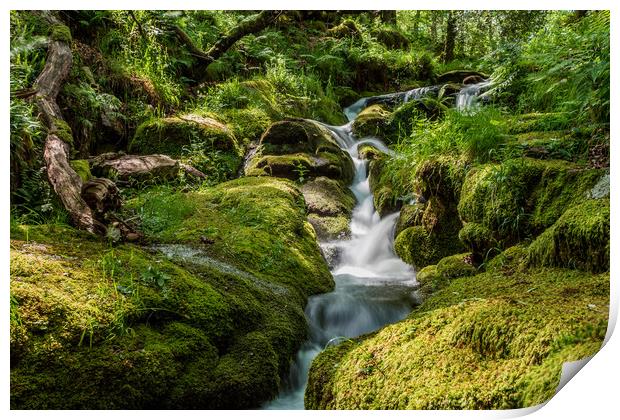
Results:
<point x="373" y="286"/>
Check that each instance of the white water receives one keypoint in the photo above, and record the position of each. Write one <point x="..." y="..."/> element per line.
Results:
<point x="467" y="98"/>
<point x="373" y="286"/>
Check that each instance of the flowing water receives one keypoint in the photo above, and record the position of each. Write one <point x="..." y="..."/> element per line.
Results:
<point x="467" y="98"/>
<point x="373" y="286"/>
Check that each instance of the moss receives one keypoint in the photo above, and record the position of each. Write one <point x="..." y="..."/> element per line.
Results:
<point x="521" y="197"/>
<point x="439" y="176"/>
<point x="478" y="239"/>
<point x="385" y="199"/>
<point x="345" y="95"/>
<point x="203" y="142"/>
<point x="298" y="150"/>
<point x="82" y="168"/>
<point x="257" y="223"/>
<point x="346" y="29"/>
<point x="455" y="266"/>
<point x="536" y="122"/>
<point x="417" y="247"/>
<point x="580" y="238"/>
<point x="62" y="130"/>
<point x="490" y="341"/>
<point x="100" y="327"/>
<point x="428" y="275"/>
<point x="391" y="38"/>
<point x="329" y="206"/>
<point x="410" y="215"/>
<point x="61" y="33"/>
<point x="374" y="121"/>
<point x="368" y="152"/>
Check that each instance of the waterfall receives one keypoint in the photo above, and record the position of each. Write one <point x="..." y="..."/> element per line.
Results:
<point x="373" y="286"/>
<point x="467" y="98"/>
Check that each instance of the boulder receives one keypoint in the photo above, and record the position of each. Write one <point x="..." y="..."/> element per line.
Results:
<point x="329" y="206"/>
<point x="299" y="150"/>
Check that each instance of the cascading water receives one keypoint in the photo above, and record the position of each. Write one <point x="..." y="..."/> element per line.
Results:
<point x="467" y="98"/>
<point x="373" y="286"/>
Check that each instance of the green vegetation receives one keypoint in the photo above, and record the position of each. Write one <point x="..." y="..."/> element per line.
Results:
<point x="199" y="300"/>
<point x="517" y="326"/>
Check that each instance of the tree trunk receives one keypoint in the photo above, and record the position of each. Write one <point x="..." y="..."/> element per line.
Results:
<point x="448" y="50"/>
<point x="416" y="23"/>
<point x="64" y="180"/>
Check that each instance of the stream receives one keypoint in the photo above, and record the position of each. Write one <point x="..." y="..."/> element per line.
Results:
<point x="373" y="286"/>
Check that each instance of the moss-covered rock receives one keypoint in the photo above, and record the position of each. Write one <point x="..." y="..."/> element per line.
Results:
<point x="374" y="121"/>
<point x="82" y="168"/>
<point x="200" y="325"/>
<point x="419" y="247"/>
<point x="203" y="142"/>
<point x="386" y="201"/>
<point x="520" y="197"/>
<point x="61" y="33"/>
<point x="455" y="266"/>
<point x="258" y="223"/>
<point x="580" y="238"/>
<point x="478" y="239"/>
<point x="299" y="150"/>
<point x="493" y="340"/>
<point x="410" y="215"/>
<point x="368" y="152"/>
<point x="428" y="275"/>
<point x="329" y="206"/>
<point x="346" y="29"/>
<point x="390" y="37"/>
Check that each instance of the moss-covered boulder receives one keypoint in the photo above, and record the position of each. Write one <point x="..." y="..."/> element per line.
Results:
<point x="203" y="142"/>
<point x="521" y="197"/>
<point x="374" y="121"/>
<point x="410" y="215"/>
<point x="329" y="206"/>
<point x="385" y="199"/>
<point x="495" y="340"/>
<point x="299" y="150"/>
<point x="196" y="323"/>
<point x="419" y="247"/>
<point x="478" y="239"/>
<point x="458" y="76"/>
<point x="390" y="37"/>
<point x="580" y="238"/>
<point x="346" y="29"/>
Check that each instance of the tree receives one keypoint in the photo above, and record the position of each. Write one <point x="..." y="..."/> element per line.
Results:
<point x="451" y="33"/>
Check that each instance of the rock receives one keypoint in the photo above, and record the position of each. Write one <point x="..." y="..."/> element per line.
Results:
<point x="458" y="76"/>
<point x="329" y="206"/>
<point x="202" y="142"/>
<point x="602" y="187"/>
<point x="374" y="121"/>
<point x="391" y="38"/>
<point x="299" y="150"/>
<point x="137" y="168"/>
<point x="472" y="80"/>
<point x="580" y="238"/>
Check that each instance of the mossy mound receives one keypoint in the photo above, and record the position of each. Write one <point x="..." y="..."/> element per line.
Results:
<point x="346" y="29"/>
<point x="299" y="150"/>
<point x="100" y="327"/>
<point x="374" y="121"/>
<point x="391" y="38"/>
<point x="385" y="199"/>
<point x="580" y="239"/>
<point x="496" y="340"/>
<point x="258" y="223"/>
<point x="329" y="206"/>
<point x="368" y="152"/>
<point x="536" y="122"/>
<point x="522" y="197"/>
<point x="478" y="239"/>
<point x="410" y="215"/>
<point x="433" y="235"/>
<point x="455" y="266"/>
<point x="202" y="141"/>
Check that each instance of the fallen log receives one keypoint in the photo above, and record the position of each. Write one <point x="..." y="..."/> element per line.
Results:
<point x="140" y="167"/>
<point x="64" y="180"/>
